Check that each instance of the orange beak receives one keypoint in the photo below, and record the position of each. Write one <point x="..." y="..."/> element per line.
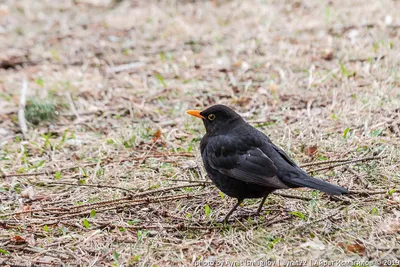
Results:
<point x="195" y="113"/>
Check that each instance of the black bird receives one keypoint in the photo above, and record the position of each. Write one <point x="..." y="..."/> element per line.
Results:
<point x="243" y="162"/>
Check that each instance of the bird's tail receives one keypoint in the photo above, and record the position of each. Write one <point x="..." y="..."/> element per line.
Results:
<point x="314" y="183"/>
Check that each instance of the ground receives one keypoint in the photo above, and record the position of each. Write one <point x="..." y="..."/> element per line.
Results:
<point x="108" y="172"/>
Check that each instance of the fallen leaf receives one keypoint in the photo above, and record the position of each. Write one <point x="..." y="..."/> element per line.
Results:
<point x="311" y="150"/>
<point x="237" y="64"/>
<point x="18" y="239"/>
<point x="353" y="248"/>
<point x="156" y="135"/>
<point x="243" y="101"/>
<point x="356" y="248"/>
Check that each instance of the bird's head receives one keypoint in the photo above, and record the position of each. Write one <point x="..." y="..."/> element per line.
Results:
<point x="216" y="119"/>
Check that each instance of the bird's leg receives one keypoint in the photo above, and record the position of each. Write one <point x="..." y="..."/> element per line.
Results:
<point x="261" y="204"/>
<point x="239" y="201"/>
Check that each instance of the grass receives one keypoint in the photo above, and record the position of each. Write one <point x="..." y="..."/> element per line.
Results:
<point x="98" y="180"/>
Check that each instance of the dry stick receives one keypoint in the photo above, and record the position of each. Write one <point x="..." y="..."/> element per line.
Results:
<point x="105" y="203"/>
<point x="150" y="192"/>
<point x="21" y="109"/>
<point x="292" y="196"/>
<point x="180" y="226"/>
<point x="183" y="226"/>
<point x="366" y="192"/>
<point x="277" y="221"/>
<point x="323" y="162"/>
<point x="315" y="221"/>
<point x="91" y="185"/>
<point x="125" y="67"/>
<point x="72" y="105"/>
<point x="105" y="161"/>
<point x="188" y="181"/>
<point x="133" y="197"/>
<point x="346" y="163"/>
<point x="364" y="182"/>
<point x="136" y="203"/>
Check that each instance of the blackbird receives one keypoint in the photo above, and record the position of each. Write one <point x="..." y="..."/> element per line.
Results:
<point x="243" y="162"/>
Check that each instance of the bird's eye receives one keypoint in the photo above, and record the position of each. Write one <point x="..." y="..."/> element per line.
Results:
<point x="211" y="117"/>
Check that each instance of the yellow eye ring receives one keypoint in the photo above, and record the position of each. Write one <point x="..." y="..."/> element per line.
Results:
<point x="211" y="117"/>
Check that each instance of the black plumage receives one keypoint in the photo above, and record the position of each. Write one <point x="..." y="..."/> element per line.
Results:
<point x="243" y="162"/>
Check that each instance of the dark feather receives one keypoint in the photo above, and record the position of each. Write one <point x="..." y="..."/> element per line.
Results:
<point x="245" y="163"/>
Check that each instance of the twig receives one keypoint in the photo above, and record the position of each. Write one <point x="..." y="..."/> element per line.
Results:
<point x="72" y="105"/>
<point x="284" y="218"/>
<point x="91" y="185"/>
<point x="367" y="59"/>
<point x="292" y="196"/>
<point x="323" y="162"/>
<point x="104" y="161"/>
<point x="315" y="221"/>
<point x="346" y="163"/>
<point x="136" y="203"/>
<point x="188" y="181"/>
<point x="378" y="192"/>
<point x="363" y="181"/>
<point x="114" y="202"/>
<point x="340" y="160"/>
<point x="125" y="67"/>
<point x="21" y="109"/>
<point x="86" y="113"/>
<point x="133" y="198"/>
<point x="344" y="28"/>
<point x="166" y="189"/>
<point x="182" y="226"/>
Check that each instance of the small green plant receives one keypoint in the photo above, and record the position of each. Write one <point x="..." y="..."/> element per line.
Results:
<point x="374" y="211"/>
<point x="4" y="252"/>
<point x="93" y="213"/>
<point x="346" y="132"/>
<point x="346" y="72"/>
<point x="207" y="210"/>
<point x="134" y="259"/>
<point x="133" y="222"/>
<point x="161" y="79"/>
<point x="86" y="223"/>
<point x="377" y="132"/>
<point x="141" y="234"/>
<point x="41" y="110"/>
<point x="271" y="241"/>
<point x="299" y="214"/>
<point x="115" y="256"/>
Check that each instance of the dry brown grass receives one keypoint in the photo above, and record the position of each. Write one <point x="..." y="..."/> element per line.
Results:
<point x="106" y="187"/>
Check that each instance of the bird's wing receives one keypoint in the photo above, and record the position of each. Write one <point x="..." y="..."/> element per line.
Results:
<point x="242" y="162"/>
<point x="283" y="155"/>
